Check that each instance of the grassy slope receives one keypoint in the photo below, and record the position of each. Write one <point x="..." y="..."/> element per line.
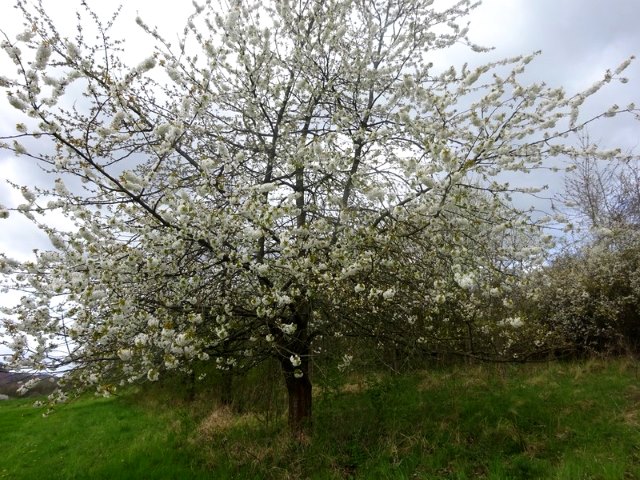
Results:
<point x="572" y="421"/>
<point x="92" y="439"/>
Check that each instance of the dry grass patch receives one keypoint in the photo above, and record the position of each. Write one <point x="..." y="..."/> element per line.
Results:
<point x="429" y="381"/>
<point x="479" y="380"/>
<point x="354" y="387"/>
<point x="541" y="380"/>
<point x="589" y="367"/>
<point x="470" y="377"/>
<point x="631" y="415"/>
<point x="633" y="394"/>
<point x="222" y="419"/>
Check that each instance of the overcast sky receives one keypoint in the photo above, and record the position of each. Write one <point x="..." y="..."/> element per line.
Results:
<point x="579" y="39"/>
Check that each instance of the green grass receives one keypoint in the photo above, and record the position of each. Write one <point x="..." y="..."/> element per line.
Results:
<point x="558" y="421"/>
<point x="93" y="439"/>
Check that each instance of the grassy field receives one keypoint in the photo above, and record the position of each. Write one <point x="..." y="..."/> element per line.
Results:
<point x="558" y="421"/>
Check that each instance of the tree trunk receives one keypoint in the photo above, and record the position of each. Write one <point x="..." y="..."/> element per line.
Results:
<point x="299" y="393"/>
<point x="296" y="376"/>
<point x="226" y="389"/>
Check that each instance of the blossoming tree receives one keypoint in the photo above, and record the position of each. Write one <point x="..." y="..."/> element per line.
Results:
<point x="287" y="171"/>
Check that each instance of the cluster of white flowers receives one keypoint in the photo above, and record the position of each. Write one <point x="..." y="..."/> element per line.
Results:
<point x="125" y="354"/>
<point x="389" y="294"/>
<point x="288" y="328"/>
<point x="466" y="280"/>
<point x="296" y="361"/>
<point x="514" y="322"/>
<point x="345" y="362"/>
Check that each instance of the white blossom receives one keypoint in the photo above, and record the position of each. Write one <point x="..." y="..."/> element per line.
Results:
<point x="466" y="281"/>
<point x="141" y="339"/>
<point x="42" y="55"/>
<point x="125" y="354"/>
<point x="146" y="65"/>
<point x="26" y="35"/>
<point x="17" y="103"/>
<point x="345" y="362"/>
<point x="288" y="328"/>
<point x="295" y="360"/>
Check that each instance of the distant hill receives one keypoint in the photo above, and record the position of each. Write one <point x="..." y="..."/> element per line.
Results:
<point x="11" y="381"/>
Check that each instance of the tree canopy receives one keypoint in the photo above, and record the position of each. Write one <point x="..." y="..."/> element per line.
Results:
<point x="286" y="172"/>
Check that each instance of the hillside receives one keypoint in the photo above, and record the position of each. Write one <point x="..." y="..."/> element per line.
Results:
<point x="558" y="421"/>
<point x="10" y="382"/>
